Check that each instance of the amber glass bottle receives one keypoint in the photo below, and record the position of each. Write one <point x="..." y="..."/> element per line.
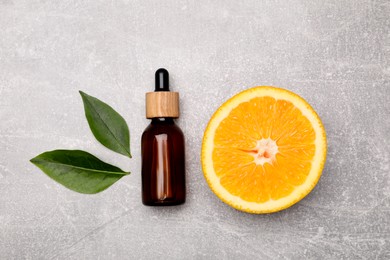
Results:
<point x="163" y="162"/>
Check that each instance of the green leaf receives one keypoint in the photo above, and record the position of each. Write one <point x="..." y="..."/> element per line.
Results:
<point x="78" y="170"/>
<point x="107" y="125"/>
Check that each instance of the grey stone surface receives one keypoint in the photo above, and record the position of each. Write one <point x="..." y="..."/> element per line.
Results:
<point x="336" y="54"/>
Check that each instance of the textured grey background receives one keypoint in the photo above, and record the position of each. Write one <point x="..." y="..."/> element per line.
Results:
<point x="333" y="53"/>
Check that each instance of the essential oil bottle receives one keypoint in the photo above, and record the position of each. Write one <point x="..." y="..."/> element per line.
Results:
<point x="163" y="161"/>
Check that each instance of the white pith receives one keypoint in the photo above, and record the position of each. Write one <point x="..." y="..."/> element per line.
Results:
<point x="265" y="151"/>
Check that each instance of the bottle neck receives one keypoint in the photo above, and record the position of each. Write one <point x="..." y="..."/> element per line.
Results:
<point x="163" y="120"/>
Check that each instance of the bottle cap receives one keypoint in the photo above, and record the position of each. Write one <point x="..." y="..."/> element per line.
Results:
<point x="162" y="102"/>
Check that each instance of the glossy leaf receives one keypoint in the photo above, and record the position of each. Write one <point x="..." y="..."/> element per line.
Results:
<point x="107" y="125"/>
<point x="78" y="170"/>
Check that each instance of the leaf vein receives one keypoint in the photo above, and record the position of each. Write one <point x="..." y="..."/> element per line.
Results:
<point x="78" y="167"/>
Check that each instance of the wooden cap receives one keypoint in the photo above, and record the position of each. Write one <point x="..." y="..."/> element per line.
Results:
<point x="162" y="104"/>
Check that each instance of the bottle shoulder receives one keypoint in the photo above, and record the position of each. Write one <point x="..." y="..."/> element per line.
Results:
<point x="162" y="128"/>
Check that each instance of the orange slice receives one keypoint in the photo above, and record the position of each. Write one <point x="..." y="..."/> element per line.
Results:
<point x="263" y="150"/>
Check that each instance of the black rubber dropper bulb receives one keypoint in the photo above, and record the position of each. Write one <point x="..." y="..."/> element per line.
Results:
<point x="161" y="80"/>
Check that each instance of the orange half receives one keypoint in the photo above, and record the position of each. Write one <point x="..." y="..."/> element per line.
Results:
<point x="263" y="150"/>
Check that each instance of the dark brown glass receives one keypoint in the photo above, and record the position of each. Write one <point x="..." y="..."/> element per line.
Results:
<point x="163" y="164"/>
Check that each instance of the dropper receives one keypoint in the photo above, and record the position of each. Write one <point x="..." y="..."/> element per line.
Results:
<point x="162" y="102"/>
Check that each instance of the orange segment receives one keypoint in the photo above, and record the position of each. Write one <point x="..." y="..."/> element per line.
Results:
<point x="263" y="150"/>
